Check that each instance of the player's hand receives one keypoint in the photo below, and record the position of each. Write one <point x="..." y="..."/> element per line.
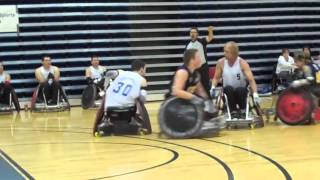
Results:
<point x="256" y="98"/>
<point x="197" y="100"/>
<point x="213" y="91"/>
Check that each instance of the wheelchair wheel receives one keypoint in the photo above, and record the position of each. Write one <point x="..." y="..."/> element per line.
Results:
<point x="15" y="100"/>
<point x="180" y="118"/>
<point x="295" y="106"/>
<point x="143" y="117"/>
<point x="88" y="96"/>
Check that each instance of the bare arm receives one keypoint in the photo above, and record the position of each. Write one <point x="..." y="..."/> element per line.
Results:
<point x="218" y="73"/>
<point x="88" y="73"/>
<point x="179" y="82"/>
<point x="247" y="72"/>
<point x="210" y="36"/>
<point x="56" y="74"/>
<point x="144" y="83"/>
<point x="200" y="91"/>
<point x="38" y="75"/>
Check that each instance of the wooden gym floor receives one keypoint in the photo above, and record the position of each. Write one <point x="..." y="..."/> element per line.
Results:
<point x="60" y="146"/>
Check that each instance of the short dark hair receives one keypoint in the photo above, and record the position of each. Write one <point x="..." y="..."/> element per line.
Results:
<point x="300" y="56"/>
<point x="195" y="28"/>
<point x="188" y="55"/>
<point x="136" y="65"/>
<point x="284" y="50"/>
<point x="44" y="56"/>
<point x="94" y="56"/>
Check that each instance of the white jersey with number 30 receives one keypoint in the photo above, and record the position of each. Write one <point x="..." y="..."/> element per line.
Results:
<point x="124" y="90"/>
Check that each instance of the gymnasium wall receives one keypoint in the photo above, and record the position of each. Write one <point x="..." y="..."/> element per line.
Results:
<point x="156" y="32"/>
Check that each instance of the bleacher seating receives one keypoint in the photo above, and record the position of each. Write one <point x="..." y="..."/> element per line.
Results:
<point x="156" y="32"/>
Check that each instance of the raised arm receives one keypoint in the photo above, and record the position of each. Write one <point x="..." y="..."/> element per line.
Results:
<point x="210" y="36"/>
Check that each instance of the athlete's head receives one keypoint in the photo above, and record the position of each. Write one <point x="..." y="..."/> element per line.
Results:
<point x="285" y="53"/>
<point x="231" y="50"/>
<point x="306" y="50"/>
<point x="95" y="61"/>
<point x="194" y="33"/>
<point x="139" y="66"/>
<point x="300" y="59"/>
<point x="46" y="61"/>
<point x="192" y="58"/>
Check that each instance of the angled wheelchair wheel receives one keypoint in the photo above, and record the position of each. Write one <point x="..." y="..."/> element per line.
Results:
<point x="143" y="117"/>
<point x="180" y="118"/>
<point x="88" y="96"/>
<point x="15" y="100"/>
<point x="295" y="106"/>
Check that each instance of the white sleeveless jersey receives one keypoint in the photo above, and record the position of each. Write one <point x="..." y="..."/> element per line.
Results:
<point x="233" y="76"/>
<point x="45" y="72"/>
<point x="96" y="73"/>
<point x="124" y="90"/>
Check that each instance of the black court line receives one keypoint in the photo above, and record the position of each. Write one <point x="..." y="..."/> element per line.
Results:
<point x="281" y="168"/>
<point x="224" y="165"/>
<point x="174" y="157"/>
<point x="21" y="171"/>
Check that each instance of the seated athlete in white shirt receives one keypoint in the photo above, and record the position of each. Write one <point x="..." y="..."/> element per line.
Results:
<point x="127" y="87"/>
<point x="6" y="89"/>
<point x="48" y="77"/>
<point x="235" y="73"/>
<point x="285" y="62"/>
<point x="94" y="73"/>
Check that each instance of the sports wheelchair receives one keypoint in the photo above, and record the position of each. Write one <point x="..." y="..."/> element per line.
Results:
<point x="299" y="105"/>
<point x="122" y="120"/>
<point x="253" y="117"/>
<point x="13" y="104"/>
<point x="39" y="102"/>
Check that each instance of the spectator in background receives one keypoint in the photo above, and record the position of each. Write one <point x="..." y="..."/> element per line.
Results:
<point x="201" y="45"/>
<point x="285" y="62"/>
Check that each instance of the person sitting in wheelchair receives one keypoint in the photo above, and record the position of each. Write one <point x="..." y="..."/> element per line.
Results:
<point x="48" y="77"/>
<point x="125" y="93"/>
<point x="94" y="92"/>
<point x="7" y="93"/>
<point x="94" y="73"/>
<point x="307" y="74"/>
<point x="298" y="104"/>
<point x="186" y="83"/>
<point x="285" y="69"/>
<point x="235" y="73"/>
